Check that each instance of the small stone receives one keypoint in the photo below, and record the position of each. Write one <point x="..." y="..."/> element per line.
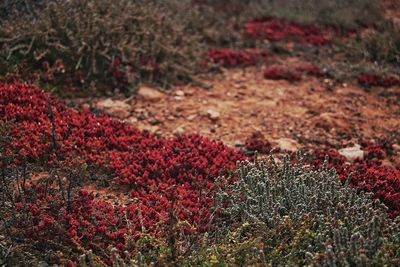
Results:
<point x="132" y="120"/>
<point x="213" y="115"/>
<point x="180" y="93"/>
<point x="154" y="121"/>
<point x="288" y="144"/>
<point x="191" y="117"/>
<point x="352" y="153"/>
<point x="116" y="108"/>
<point x="86" y="106"/>
<point x="150" y="94"/>
<point x="179" y="98"/>
<point x="396" y="147"/>
<point x="154" y="129"/>
<point x="179" y="131"/>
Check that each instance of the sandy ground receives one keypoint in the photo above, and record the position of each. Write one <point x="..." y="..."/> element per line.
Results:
<point x="312" y="112"/>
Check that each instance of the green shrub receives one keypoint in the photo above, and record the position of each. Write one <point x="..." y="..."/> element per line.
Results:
<point x="338" y="13"/>
<point x="114" y="43"/>
<point x="382" y="45"/>
<point x="292" y="215"/>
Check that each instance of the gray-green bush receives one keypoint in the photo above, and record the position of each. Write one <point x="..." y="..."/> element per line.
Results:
<point x="313" y="218"/>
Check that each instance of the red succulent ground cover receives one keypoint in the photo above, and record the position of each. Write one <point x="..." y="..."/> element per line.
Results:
<point x="161" y="173"/>
<point x="369" y="175"/>
<point x="235" y="58"/>
<point x="280" y="30"/>
<point x="369" y="80"/>
<point x="278" y="73"/>
<point x="293" y="75"/>
<point x="256" y="142"/>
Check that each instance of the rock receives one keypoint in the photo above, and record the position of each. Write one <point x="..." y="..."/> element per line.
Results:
<point x="288" y="144"/>
<point x="132" y="120"/>
<point x="352" y="153"/>
<point x="213" y="115"/>
<point x="179" y="98"/>
<point x="149" y="94"/>
<point x="180" y="93"/>
<point x="179" y="131"/>
<point x="191" y="117"/>
<point x="154" y="121"/>
<point x="86" y="106"/>
<point x="396" y="147"/>
<point x="116" y="108"/>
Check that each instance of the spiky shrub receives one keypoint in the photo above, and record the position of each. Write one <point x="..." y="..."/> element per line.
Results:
<point x="382" y="45"/>
<point x="339" y="13"/>
<point x="117" y="44"/>
<point x="8" y="8"/>
<point x="292" y="214"/>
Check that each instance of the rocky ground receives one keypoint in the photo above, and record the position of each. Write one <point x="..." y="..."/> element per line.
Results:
<point x="313" y="113"/>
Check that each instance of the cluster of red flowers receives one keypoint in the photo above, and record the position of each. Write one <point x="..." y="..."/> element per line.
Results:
<point x="161" y="173"/>
<point x="279" y="30"/>
<point x="234" y="58"/>
<point x="368" y="174"/>
<point x="369" y="80"/>
<point x="279" y="73"/>
<point x="256" y="142"/>
<point x="87" y="222"/>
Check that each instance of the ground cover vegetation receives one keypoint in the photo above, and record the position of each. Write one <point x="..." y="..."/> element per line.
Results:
<point x="84" y="47"/>
<point x="187" y="200"/>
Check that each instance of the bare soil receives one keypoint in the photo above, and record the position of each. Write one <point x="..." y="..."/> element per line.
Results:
<point x="312" y="112"/>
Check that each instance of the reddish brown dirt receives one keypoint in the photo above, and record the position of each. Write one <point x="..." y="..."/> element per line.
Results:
<point x="310" y="113"/>
<point x="392" y="10"/>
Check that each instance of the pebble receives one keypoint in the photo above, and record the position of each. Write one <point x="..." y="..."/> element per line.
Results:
<point x="288" y="144"/>
<point x="352" y="153"/>
<point x="180" y="93"/>
<point x="149" y="94"/>
<point x="213" y="115"/>
<point x="179" y="131"/>
<point x="117" y="108"/>
<point x="191" y="117"/>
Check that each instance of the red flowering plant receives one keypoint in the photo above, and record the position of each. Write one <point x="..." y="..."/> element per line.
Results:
<point x="257" y="143"/>
<point x="45" y="130"/>
<point x="293" y="75"/>
<point x="280" y="30"/>
<point x="235" y="58"/>
<point x="277" y="73"/>
<point x="369" y="80"/>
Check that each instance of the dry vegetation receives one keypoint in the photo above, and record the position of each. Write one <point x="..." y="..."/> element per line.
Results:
<point x="183" y="201"/>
